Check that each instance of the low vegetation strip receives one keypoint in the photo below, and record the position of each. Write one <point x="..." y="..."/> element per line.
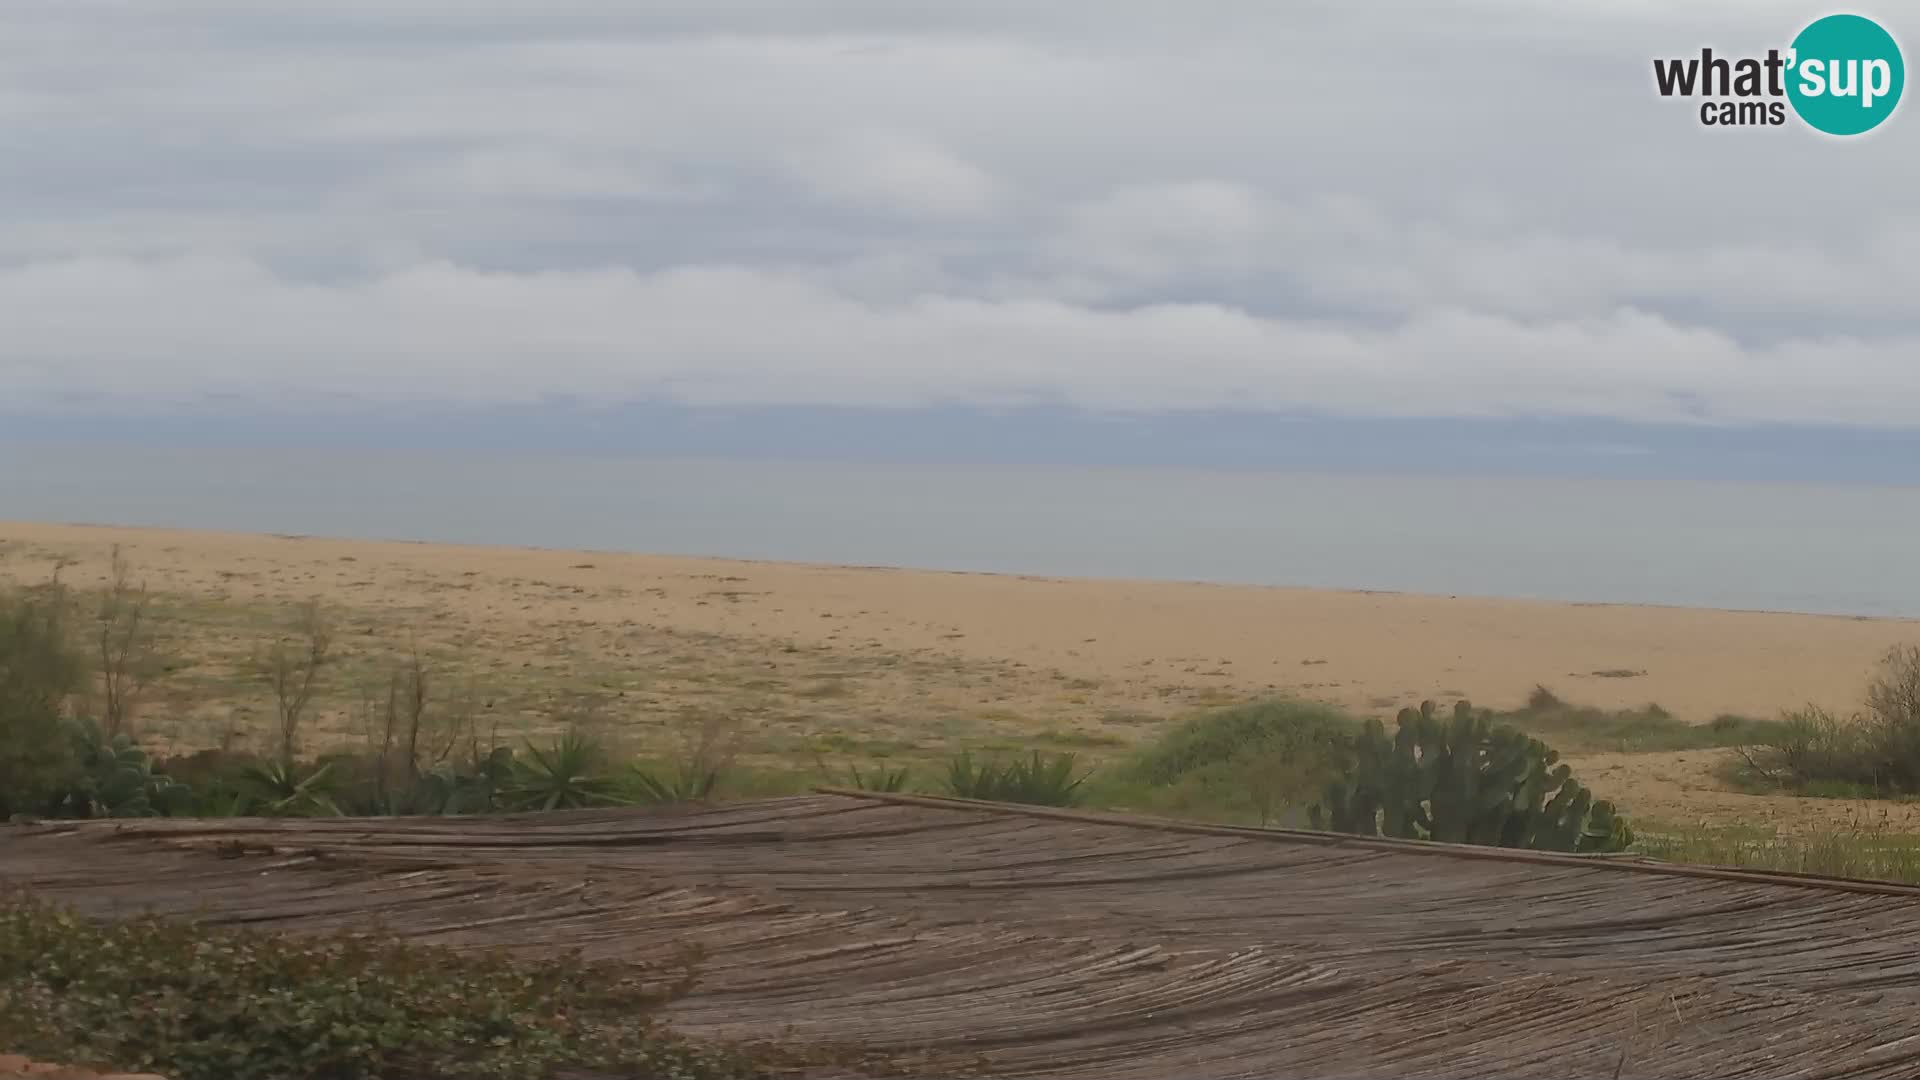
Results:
<point x="1035" y="944"/>
<point x="20" y="1067"/>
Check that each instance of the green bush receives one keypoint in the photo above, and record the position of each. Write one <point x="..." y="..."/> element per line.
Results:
<point x="202" y="1004"/>
<point x="1466" y="780"/>
<point x="1230" y="736"/>
<point x="41" y="668"/>
<point x="1257" y="763"/>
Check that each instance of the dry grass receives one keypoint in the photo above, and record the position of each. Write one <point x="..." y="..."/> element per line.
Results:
<point x="234" y="646"/>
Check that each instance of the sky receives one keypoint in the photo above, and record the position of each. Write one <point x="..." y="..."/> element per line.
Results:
<point x="1375" y="217"/>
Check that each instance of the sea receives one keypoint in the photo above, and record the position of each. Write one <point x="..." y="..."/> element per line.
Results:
<point x="1822" y="549"/>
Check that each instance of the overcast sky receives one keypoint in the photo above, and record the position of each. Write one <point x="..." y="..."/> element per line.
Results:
<point x="1429" y="208"/>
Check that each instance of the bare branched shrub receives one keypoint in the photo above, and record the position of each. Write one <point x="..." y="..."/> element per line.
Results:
<point x="291" y="668"/>
<point x="42" y="667"/>
<point x="1878" y="749"/>
<point x="1893" y="717"/>
<point x="123" y="643"/>
<point x="1813" y="745"/>
<point x="410" y="732"/>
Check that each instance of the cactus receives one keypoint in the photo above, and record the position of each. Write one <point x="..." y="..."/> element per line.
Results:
<point x="117" y="778"/>
<point x="1462" y="780"/>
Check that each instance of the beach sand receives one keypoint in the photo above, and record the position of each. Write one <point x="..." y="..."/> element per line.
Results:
<point x="904" y="662"/>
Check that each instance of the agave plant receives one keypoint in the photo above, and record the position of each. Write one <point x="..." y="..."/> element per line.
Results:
<point x="973" y="780"/>
<point x="1044" y="780"/>
<point x="879" y="779"/>
<point x="677" y="785"/>
<point x="887" y="780"/>
<point x="1039" y="780"/>
<point x="693" y="771"/>
<point x="280" y="789"/>
<point x="566" y="774"/>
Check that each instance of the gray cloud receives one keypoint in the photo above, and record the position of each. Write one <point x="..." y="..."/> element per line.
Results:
<point x="1476" y="208"/>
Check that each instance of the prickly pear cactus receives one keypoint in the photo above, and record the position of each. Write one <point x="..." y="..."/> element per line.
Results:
<point x="117" y="778"/>
<point x="1460" y="780"/>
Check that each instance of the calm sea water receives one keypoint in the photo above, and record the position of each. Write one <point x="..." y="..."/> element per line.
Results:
<point x="1834" y="550"/>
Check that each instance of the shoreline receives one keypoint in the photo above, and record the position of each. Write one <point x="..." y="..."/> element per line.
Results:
<point x="1009" y="575"/>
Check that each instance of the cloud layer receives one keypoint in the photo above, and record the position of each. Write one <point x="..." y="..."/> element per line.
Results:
<point x="1475" y="208"/>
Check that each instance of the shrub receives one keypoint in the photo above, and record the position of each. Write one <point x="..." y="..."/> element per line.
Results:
<point x="1262" y="762"/>
<point x="291" y="669"/>
<point x="202" y="1004"/>
<point x="123" y="648"/>
<point x="1646" y="728"/>
<point x="1465" y="780"/>
<point x="1893" y="719"/>
<point x="41" y="668"/>
<point x="1284" y="728"/>
<point x="1876" y="751"/>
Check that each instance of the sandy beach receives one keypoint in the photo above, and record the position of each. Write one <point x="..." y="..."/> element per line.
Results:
<point x="901" y="661"/>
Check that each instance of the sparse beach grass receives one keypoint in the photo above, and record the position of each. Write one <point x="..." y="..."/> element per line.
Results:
<point x="829" y="670"/>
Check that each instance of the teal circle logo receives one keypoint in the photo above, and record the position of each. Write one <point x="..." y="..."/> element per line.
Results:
<point x="1845" y="75"/>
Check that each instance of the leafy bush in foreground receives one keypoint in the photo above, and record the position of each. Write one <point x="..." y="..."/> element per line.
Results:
<point x="202" y="1004"/>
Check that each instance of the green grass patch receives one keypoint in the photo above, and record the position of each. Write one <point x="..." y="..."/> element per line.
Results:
<point x="1865" y="852"/>
<point x="1084" y="739"/>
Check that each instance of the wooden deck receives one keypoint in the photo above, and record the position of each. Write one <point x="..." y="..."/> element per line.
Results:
<point x="1050" y="943"/>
